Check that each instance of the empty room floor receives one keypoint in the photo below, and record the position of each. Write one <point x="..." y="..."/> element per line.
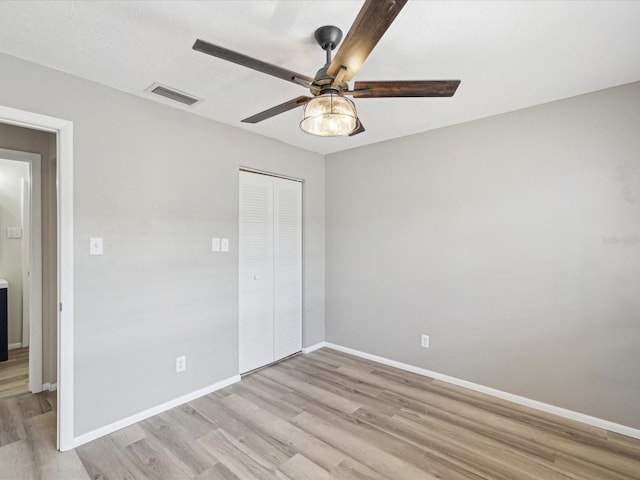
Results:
<point x="325" y="415"/>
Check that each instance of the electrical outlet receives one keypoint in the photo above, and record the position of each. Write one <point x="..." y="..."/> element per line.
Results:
<point x="424" y="342"/>
<point x="95" y="246"/>
<point x="181" y="364"/>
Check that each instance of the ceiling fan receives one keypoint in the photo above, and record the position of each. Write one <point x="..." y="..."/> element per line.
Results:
<point x="328" y="112"/>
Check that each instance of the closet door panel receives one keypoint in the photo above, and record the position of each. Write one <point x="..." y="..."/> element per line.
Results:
<point x="256" y="273"/>
<point x="287" y="267"/>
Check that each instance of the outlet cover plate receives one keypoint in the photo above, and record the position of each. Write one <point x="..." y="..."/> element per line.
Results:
<point x="424" y="341"/>
<point x="96" y="246"/>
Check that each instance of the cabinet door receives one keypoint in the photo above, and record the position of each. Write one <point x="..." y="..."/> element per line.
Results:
<point x="287" y="267"/>
<point x="256" y="302"/>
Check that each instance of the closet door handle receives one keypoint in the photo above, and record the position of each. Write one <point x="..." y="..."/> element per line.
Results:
<point x="256" y="276"/>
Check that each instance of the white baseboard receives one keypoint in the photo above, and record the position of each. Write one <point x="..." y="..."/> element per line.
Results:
<point x="138" y="417"/>
<point x="527" y="402"/>
<point x="314" y="347"/>
<point x="51" y="387"/>
<point x="13" y="346"/>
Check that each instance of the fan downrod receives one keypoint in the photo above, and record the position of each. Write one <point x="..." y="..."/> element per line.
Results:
<point x="328" y="37"/>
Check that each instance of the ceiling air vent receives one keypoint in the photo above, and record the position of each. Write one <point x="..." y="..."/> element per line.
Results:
<point x="173" y="94"/>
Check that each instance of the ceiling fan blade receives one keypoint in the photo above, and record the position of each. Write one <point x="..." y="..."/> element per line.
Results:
<point x="272" y="112"/>
<point x="372" y="22"/>
<point x="249" y="62"/>
<point x="359" y="129"/>
<point x="410" y="88"/>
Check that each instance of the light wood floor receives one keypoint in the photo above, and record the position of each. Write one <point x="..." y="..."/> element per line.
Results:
<point x="325" y="415"/>
<point x="14" y="373"/>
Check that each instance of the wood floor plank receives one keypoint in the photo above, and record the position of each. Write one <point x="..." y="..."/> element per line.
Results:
<point x="351" y="470"/>
<point x="317" y="450"/>
<point x="623" y="445"/>
<point x="16" y="461"/>
<point x="103" y="459"/>
<point x="360" y="448"/>
<point x="14" y="373"/>
<point x="191" y="420"/>
<point x="11" y="422"/>
<point x="345" y="385"/>
<point x="362" y="363"/>
<point x="244" y="430"/>
<point x="33" y="405"/>
<point x="311" y="391"/>
<point x="224" y="449"/>
<point x="308" y="367"/>
<point x="522" y="443"/>
<point x="492" y="458"/>
<point x="218" y="472"/>
<point x="268" y="394"/>
<point x="48" y="463"/>
<point x="588" y="471"/>
<point x="538" y="419"/>
<point x="128" y="435"/>
<point x="431" y="461"/>
<point x="301" y="468"/>
<point x="173" y="437"/>
<point x="155" y="463"/>
<point x="511" y="425"/>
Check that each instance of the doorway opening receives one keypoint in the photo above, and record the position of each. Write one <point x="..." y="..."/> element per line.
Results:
<point x="61" y="255"/>
<point x="21" y="265"/>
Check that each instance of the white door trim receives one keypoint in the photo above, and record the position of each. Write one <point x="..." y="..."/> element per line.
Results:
<point x="64" y="133"/>
<point x="26" y="192"/>
<point x="35" y="253"/>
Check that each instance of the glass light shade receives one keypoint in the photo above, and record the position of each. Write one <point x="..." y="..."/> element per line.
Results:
<point x="329" y="115"/>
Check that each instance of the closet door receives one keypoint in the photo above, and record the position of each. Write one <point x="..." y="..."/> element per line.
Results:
<point x="287" y="267"/>
<point x="270" y="256"/>
<point x="256" y="306"/>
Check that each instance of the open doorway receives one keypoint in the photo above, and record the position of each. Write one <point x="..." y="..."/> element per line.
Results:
<point x="57" y="253"/>
<point x="24" y="366"/>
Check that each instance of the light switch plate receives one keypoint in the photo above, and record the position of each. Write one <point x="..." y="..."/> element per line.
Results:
<point x="225" y="245"/>
<point x="181" y="363"/>
<point x="95" y="246"/>
<point x="14" y="232"/>
<point x="215" y="244"/>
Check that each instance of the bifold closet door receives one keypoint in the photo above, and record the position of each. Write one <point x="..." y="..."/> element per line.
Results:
<point x="256" y="271"/>
<point x="287" y="274"/>
<point x="270" y="274"/>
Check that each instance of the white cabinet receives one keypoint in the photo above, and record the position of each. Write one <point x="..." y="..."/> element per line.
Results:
<point x="270" y="274"/>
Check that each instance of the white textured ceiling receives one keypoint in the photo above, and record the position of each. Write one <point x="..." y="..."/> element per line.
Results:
<point x="509" y="55"/>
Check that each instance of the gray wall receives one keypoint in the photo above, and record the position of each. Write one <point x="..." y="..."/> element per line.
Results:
<point x="43" y="143"/>
<point x="157" y="183"/>
<point x="514" y="241"/>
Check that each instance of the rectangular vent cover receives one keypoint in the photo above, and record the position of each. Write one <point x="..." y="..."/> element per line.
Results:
<point x="172" y="94"/>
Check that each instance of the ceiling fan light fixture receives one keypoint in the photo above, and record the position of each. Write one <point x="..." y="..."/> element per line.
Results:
<point x="329" y="115"/>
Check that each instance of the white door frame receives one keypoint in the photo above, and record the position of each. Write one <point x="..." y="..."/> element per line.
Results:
<point x="64" y="133"/>
<point x="27" y="191"/>
<point x="34" y="253"/>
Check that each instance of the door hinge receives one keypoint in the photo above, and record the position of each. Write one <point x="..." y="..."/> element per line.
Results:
<point x="60" y="306"/>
